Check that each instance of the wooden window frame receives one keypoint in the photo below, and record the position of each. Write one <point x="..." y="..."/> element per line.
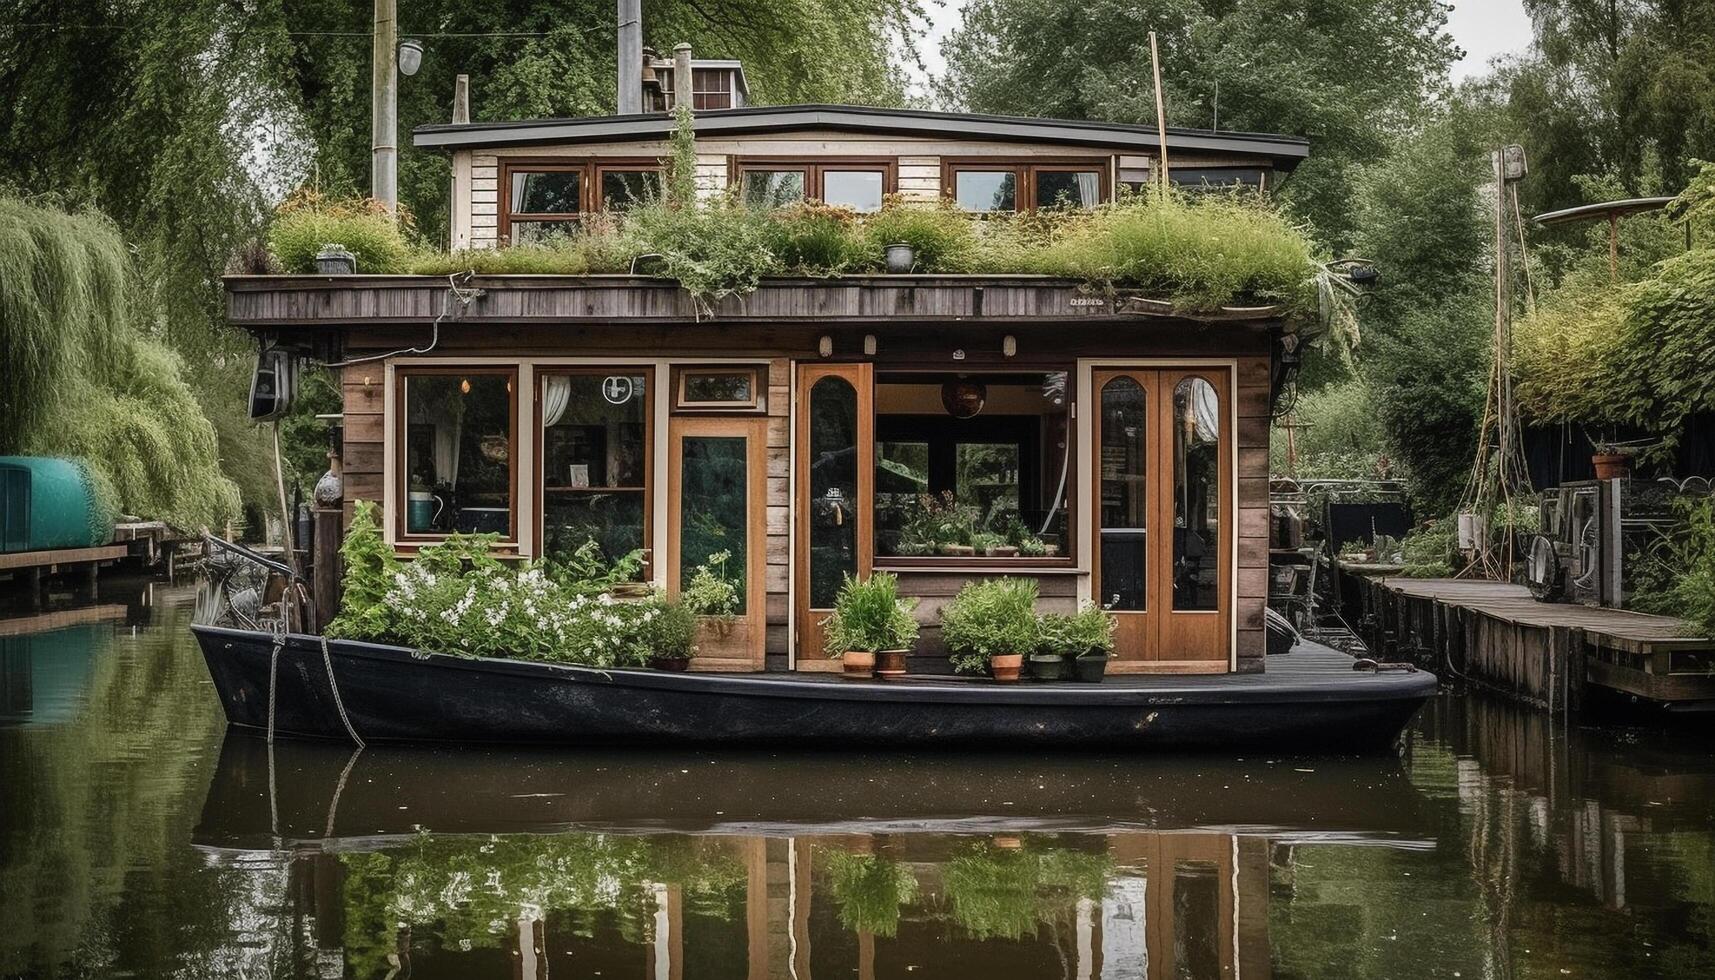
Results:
<point x="1066" y="561"/>
<point x="1024" y="173"/>
<point x="401" y="454"/>
<point x="589" y="171"/>
<point x="758" y="384"/>
<point x="814" y="170"/>
<point x="542" y="373"/>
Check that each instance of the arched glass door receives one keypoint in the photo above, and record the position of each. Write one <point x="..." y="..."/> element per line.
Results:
<point x="834" y="456"/>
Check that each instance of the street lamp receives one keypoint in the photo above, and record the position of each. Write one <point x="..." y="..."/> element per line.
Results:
<point x="390" y="59"/>
<point x="410" y="56"/>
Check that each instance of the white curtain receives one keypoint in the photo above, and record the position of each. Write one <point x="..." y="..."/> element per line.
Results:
<point x="1089" y="189"/>
<point x="425" y="403"/>
<point x="556" y="396"/>
<point x="1207" y="408"/>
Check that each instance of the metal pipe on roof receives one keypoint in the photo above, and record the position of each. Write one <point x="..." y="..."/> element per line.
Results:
<point x="630" y="54"/>
<point x="683" y="93"/>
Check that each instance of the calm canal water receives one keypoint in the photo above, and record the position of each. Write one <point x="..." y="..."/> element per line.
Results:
<point x="137" y="840"/>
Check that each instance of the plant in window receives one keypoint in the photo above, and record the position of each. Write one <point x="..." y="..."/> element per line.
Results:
<point x="871" y="626"/>
<point x="1022" y="538"/>
<point x="992" y="624"/>
<point x="938" y="525"/>
<point x="712" y="593"/>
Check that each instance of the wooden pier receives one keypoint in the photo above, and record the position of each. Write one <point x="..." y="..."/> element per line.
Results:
<point x="139" y="545"/>
<point x="1547" y="654"/>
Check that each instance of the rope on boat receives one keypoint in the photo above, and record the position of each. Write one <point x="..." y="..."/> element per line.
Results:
<point x="274" y="673"/>
<point x="338" y="702"/>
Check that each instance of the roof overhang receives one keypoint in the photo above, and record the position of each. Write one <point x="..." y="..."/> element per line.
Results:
<point x="1284" y="152"/>
<point x="1607" y="209"/>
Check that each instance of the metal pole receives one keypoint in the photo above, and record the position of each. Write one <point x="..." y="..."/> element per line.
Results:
<point x="630" y="74"/>
<point x="384" y="118"/>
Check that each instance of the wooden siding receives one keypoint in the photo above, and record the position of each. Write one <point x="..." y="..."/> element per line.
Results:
<point x="364" y="456"/>
<point x="1251" y="594"/>
<point x="336" y="301"/>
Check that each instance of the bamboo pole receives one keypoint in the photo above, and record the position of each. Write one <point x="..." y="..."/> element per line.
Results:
<point x="1160" y="108"/>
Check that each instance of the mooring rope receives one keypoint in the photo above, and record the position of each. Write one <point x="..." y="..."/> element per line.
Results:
<point x="273" y="674"/>
<point x="338" y="702"/>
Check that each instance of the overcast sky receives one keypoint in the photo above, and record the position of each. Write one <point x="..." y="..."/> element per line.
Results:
<point x="1484" y="28"/>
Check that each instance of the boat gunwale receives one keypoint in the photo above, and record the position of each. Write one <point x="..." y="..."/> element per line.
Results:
<point x="1166" y="689"/>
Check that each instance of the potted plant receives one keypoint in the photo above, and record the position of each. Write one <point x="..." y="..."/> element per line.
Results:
<point x="872" y="627"/>
<point x="672" y="636"/>
<point x="901" y="258"/>
<point x="991" y="624"/>
<point x="1612" y="461"/>
<point x="1052" y="658"/>
<point x="335" y="260"/>
<point x="1089" y="641"/>
<point x="712" y="597"/>
<point x="993" y="545"/>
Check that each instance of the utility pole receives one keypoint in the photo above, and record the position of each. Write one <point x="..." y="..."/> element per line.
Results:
<point x="630" y="73"/>
<point x="384" y="115"/>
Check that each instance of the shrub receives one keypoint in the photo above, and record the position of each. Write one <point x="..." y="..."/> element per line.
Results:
<point x="870" y="615"/>
<point x="989" y="618"/>
<point x="942" y="236"/>
<point x="306" y="221"/>
<point x="672" y="632"/>
<point x="1680" y="580"/>
<point x="715" y="250"/>
<point x="1428" y="551"/>
<point x="815" y="239"/>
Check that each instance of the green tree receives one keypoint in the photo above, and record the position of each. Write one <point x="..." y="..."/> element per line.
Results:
<point x="1352" y="76"/>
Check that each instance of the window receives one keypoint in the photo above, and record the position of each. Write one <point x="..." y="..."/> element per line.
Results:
<point x="459" y="449"/>
<point x="856" y="184"/>
<point x="711" y="88"/>
<point x="1197" y="179"/>
<point x="595" y="460"/>
<point x="734" y="389"/>
<point x="543" y="202"/>
<point x="986" y="186"/>
<point x="971" y="466"/>
<point x="1196" y="495"/>
<point x="549" y="199"/>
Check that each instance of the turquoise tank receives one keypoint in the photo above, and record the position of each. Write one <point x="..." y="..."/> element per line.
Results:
<point x="48" y="503"/>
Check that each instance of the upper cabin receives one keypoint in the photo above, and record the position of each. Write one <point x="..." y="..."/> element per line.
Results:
<point x="515" y="180"/>
<point x="940" y="427"/>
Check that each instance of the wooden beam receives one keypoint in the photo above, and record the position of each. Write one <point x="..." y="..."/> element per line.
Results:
<point x="62" y="556"/>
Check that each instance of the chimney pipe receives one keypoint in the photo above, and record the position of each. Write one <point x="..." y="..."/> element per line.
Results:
<point x="461" y="99"/>
<point x="682" y="76"/>
<point x="630" y="57"/>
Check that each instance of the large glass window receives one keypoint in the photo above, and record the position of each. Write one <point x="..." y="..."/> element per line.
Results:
<point x="860" y="190"/>
<point x="715" y="508"/>
<point x="542" y="203"/>
<point x="772" y="188"/>
<point x="595" y="460"/>
<point x="833" y="497"/>
<point x="986" y="190"/>
<point x="459" y="452"/>
<point x="621" y="189"/>
<point x="972" y="465"/>
<point x="1124" y="495"/>
<point x="1196" y="495"/>
<point x="982" y="186"/>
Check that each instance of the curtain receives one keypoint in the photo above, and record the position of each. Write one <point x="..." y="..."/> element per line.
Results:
<point x="1089" y="189"/>
<point x="556" y="396"/>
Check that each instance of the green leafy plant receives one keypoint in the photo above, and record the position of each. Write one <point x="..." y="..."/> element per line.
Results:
<point x="1090" y="628"/>
<point x="815" y="239"/>
<point x="988" y="618"/>
<point x="869" y="891"/>
<point x="711" y="591"/>
<point x="1428" y="551"/>
<point x="941" y="236"/>
<point x="1004" y="893"/>
<point x="870" y="615"/>
<point x="586" y="570"/>
<point x="308" y="220"/>
<point x="1679" y="578"/>
<point x="671" y="632"/>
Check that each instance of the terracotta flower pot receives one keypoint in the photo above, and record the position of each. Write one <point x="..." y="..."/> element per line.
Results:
<point x="1005" y="666"/>
<point x="1612" y="466"/>
<point x="890" y="664"/>
<point x="675" y="665"/>
<point x="858" y="664"/>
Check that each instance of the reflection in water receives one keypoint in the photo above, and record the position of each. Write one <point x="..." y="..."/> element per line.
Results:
<point x="134" y="839"/>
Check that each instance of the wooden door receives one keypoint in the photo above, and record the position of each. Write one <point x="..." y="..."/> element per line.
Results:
<point x="1163" y="511"/>
<point x="834" y="455"/>
<point x="717" y="488"/>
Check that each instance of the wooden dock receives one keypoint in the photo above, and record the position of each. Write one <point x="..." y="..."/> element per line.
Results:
<point x="139" y="545"/>
<point x="1547" y="654"/>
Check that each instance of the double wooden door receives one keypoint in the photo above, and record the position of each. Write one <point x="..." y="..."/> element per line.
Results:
<point x="1163" y="486"/>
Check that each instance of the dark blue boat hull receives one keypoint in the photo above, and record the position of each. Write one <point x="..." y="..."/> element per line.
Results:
<point x="391" y="694"/>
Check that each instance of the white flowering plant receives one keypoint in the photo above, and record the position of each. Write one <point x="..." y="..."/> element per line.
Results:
<point x="457" y="598"/>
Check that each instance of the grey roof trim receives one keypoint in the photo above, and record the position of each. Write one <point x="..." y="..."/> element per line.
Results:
<point x="1284" y="150"/>
<point x="1618" y="209"/>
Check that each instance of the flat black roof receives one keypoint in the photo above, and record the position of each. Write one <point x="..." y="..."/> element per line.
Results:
<point x="1283" y="151"/>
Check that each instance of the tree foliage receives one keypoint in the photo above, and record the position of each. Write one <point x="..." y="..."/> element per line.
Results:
<point x="1352" y="76"/>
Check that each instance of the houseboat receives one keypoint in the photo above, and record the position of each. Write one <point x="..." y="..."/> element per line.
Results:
<point x="1117" y="446"/>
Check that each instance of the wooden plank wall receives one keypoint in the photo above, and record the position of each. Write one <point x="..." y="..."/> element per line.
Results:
<point x="1251" y="591"/>
<point x="934" y="589"/>
<point x="778" y="573"/>
<point x="365" y="421"/>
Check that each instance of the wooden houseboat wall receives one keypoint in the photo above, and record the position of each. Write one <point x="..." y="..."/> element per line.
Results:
<point x="879" y="348"/>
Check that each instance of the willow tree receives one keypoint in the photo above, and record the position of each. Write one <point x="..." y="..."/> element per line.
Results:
<point x="86" y="379"/>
